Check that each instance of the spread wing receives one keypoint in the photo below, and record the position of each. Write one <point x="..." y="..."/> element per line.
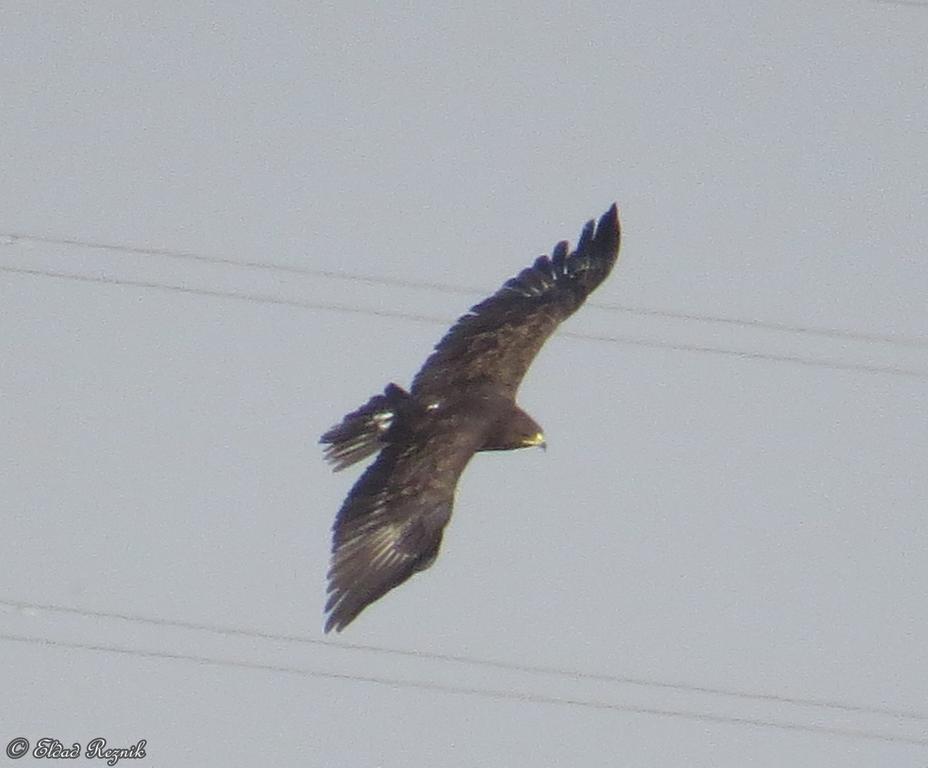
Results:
<point x="498" y="338"/>
<point x="391" y="524"/>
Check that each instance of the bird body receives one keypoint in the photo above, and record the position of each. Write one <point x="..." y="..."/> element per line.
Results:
<point x="461" y="402"/>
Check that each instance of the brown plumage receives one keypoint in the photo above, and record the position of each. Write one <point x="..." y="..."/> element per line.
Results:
<point x="461" y="401"/>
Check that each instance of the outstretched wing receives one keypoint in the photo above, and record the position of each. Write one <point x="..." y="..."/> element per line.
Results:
<point x="391" y="524"/>
<point x="498" y="338"/>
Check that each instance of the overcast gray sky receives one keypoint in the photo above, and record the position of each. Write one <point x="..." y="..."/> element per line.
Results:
<point x="702" y="521"/>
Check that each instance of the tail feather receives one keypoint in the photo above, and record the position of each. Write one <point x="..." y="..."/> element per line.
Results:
<point x="364" y="431"/>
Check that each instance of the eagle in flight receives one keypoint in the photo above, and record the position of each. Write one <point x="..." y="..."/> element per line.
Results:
<point x="461" y="401"/>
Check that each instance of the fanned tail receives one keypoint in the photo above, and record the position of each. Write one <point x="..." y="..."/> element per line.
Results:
<point x="366" y="430"/>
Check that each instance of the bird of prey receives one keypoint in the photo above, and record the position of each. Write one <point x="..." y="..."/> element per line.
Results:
<point x="461" y="401"/>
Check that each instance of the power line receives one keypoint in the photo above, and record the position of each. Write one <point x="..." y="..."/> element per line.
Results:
<point x="520" y="696"/>
<point x="331" y="307"/>
<point x="292" y="269"/>
<point x="258" y="298"/>
<point x="573" y="674"/>
<point x="909" y="3"/>
<point x="807" y="330"/>
<point x="813" y="362"/>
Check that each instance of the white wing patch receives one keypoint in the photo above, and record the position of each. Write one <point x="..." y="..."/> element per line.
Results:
<point x="380" y="542"/>
<point x="382" y="420"/>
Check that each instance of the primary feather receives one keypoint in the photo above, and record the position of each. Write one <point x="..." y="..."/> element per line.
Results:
<point x="499" y="337"/>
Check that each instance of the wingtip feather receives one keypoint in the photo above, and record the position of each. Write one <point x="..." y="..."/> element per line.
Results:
<point x="586" y="236"/>
<point x="608" y="235"/>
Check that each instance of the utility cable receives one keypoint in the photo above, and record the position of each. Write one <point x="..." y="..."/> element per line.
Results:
<point x="486" y="693"/>
<point x="422" y="318"/>
<point x="303" y="271"/>
<point x="473" y="661"/>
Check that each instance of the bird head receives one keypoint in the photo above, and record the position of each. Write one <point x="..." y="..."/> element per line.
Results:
<point x="515" y="429"/>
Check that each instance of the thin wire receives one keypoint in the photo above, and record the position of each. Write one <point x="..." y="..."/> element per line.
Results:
<point x="329" y="307"/>
<point x="573" y="674"/>
<point x="813" y="362"/>
<point x="897" y="339"/>
<point x="808" y="330"/>
<point x="259" y="298"/>
<point x="909" y="3"/>
<point x="519" y="696"/>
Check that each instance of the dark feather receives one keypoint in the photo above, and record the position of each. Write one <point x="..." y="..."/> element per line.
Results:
<point x="498" y="338"/>
<point x="391" y="524"/>
<point x="366" y="430"/>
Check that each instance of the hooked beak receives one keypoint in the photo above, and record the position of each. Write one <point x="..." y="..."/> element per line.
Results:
<point x="537" y="440"/>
